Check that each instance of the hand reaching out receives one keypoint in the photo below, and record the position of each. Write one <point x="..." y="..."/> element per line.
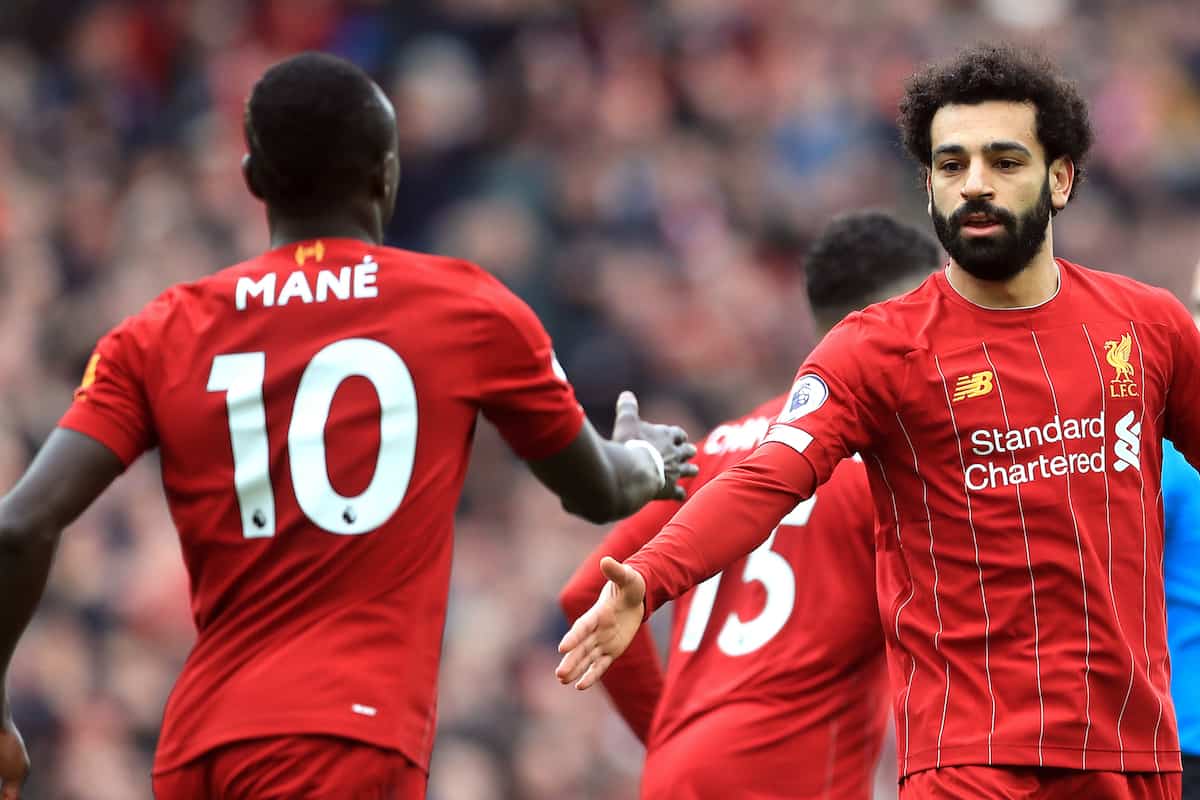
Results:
<point x="606" y="629"/>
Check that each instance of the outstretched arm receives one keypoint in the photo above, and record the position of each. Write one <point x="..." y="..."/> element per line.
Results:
<point x="69" y="472"/>
<point x="726" y="519"/>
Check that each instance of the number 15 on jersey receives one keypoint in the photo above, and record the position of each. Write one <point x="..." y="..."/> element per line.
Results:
<point x="737" y="638"/>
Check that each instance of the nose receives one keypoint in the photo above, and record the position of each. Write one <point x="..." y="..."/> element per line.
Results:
<point x="976" y="186"/>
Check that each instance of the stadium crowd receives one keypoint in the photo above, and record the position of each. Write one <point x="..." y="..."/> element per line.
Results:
<point x="645" y="174"/>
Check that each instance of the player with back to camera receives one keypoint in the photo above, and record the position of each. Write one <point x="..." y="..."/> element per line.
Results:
<point x="314" y="410"/>
<point x="1010" y="412"/>
<point x="776" y="680"/>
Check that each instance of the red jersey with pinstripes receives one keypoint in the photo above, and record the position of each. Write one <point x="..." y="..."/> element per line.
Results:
<point x="1014" y="460"/>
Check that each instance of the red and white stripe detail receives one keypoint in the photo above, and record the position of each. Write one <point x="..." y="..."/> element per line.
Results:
<point x="912" y="589"/>
<point x="1087" y="631"/>
<point x="936" y="605"/>
<point x="1145" y="535"/>
<point x="1112" y="595"/>
<point x="1037" y="644"/>
<point x="987" y="620"/>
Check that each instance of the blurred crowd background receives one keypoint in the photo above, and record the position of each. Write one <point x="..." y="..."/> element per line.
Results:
<point x="646" y="173"/>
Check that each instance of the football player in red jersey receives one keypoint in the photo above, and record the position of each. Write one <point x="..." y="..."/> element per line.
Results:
<point x="776" y="680"/>
<point x="1010" y="412"/>
<point x="314" y="410"/>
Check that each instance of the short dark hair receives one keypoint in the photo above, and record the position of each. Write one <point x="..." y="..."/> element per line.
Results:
<point x="316" y="131"/>
<point x="861" y="254"/>
<point x="999" y="72"/>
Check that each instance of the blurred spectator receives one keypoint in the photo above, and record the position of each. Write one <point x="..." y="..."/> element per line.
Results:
<point x="645" y="174"/>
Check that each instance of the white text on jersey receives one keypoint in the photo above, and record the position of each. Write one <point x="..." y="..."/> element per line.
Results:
<point x="744" y="436"/>
<point x="348" y="282"/>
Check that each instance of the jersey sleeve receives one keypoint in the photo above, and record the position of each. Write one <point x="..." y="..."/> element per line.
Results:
<point x="111" y="404"/>
<point x="1183" y="411"/>
<point x="726" y="519"/>
<point x="831" y="411"/>
<point x="829" y="414"/>
<point x="522" y="389"/>
<point x="634" y="681"/>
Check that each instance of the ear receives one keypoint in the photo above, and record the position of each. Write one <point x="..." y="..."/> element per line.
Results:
<point x="248" y="175"/>
<point x="387" y="176"/>
<point x="1062" y="178"/>
<point x="929" y="192"/>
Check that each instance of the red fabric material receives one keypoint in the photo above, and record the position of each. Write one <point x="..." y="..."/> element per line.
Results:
<point x="777" y="662"/>
<point x="308" y="624"/>
<point x="1014" y="458"/>
<point x="295" y="768"/>
<point x="1018" y="783"/>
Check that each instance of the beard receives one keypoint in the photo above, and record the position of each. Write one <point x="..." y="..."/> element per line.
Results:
<point x="1000" y="256"/>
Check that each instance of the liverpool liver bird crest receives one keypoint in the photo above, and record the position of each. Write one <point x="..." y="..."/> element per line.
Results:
<point x="1117" y="354"/>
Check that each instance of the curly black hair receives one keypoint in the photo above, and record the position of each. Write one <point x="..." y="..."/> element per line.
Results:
<point x="316" y="129"/>
<point x="999" y="72"/>
<point x="861" y="254"/>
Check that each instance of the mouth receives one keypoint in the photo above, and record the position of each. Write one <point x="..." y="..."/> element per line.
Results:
<point x="980" y="225"/>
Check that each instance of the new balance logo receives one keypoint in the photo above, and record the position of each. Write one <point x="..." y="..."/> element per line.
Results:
<point x="1128" y="444"/>
<point x="975" y="385"/>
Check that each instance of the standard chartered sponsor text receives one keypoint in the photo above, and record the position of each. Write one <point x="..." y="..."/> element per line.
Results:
<point x="1014" y="470"/>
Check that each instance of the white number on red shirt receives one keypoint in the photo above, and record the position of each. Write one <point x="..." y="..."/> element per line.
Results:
<point x="241" y="375"/>
<point x="737" y="638"/>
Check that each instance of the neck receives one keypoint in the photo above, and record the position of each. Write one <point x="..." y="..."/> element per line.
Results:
<point x="1032" y="286"/>
<point x="285" y="230"/>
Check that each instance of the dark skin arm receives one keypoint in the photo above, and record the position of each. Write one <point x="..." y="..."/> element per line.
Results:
<point x="69" y="472"/>
<point x="602" y="480"/>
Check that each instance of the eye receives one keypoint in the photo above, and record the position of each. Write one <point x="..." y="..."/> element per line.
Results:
<point x="950" y="166"/>
<point x="1007" y="163"/>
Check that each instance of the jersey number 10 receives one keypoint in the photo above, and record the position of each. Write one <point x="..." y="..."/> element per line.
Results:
<point x="773" y="571"/>
<point x="241" y="376"/>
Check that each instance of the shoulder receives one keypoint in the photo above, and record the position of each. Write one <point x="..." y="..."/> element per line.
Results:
<point x="899" y="310"/>
<point x="1116" y="286"/>
<point x="148" y="323"/>
<point x="889" y="325"/>
<point x="452" y="273"/>
<point x="465" y="278"/>
<point x="435" y="267"/>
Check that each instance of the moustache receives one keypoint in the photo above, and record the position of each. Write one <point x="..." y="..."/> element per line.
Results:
<point x="1004" y="217"/>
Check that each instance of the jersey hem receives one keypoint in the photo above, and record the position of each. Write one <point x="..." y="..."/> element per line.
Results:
<point x="199" y="747"/>
<point x="1045" y="756"/>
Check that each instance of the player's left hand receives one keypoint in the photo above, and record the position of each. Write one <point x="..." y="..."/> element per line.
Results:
<point x="14" y="760"/>
<point x="606" y="629"/>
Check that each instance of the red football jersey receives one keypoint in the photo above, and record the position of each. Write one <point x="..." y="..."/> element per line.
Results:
<point x="1014" y="460"/>
<point x="314" y="410"/>
<point x="776" y="680"/>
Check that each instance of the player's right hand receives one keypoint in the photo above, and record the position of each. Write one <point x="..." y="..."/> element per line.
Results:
<point x="671" y="441"/>
<point x="606" y="629"/>
<point x="14" y="760"/>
